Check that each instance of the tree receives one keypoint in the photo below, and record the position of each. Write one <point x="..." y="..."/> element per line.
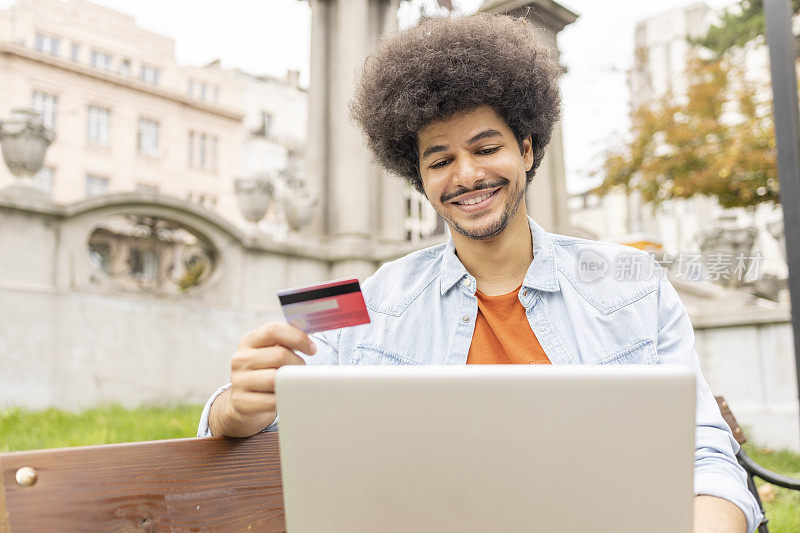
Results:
<point x="738" y="26"/>
<point x="716" y="140"/>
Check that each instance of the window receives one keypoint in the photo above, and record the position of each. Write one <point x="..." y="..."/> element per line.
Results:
<point x="202" y="150"/>
<point x="216" y="93"/>
<point x="44" y="179"/>
<point x="212" y="160"/>
<point x="190" y="88"/>
<point x="96" y="185"/>
<point x="149" y="74"/>
<point x="46" y="43"/>
<point x="99" y="126"/>
<point x="147" y="137"/>
<point x="264" y="123"/>
<point x="144" y="188"/>
<point x="101" y="60"/>
<point x="46" y="105"/>
<point x="125" y="68"/>
<point x="421" y="219"/>
<point x="201" y="156"/>
<point x="190" y="149"/>
<point x="75" y="52"/>
<point x="203" y="91"/>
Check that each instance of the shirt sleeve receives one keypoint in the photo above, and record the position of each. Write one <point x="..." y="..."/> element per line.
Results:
<point x="716" y="470"/>
<point x="327" y="354"/>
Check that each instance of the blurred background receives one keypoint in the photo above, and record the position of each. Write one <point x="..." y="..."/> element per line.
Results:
<point x="168" y="166"/>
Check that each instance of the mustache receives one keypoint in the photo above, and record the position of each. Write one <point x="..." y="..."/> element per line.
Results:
<point x="481" y="186"/>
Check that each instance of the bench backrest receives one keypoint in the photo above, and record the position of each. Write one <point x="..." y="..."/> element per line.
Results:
<point x="208" y="484"/>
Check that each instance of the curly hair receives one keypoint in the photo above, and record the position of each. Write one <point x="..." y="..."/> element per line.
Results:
<point x="448" y="65"/>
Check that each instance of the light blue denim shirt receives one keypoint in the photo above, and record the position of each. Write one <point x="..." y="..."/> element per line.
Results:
<point x="587" y="302"/>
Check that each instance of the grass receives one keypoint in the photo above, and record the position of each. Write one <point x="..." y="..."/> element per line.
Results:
<point x="783" y="510"/>
<point x="52" y="428"/>
<point x="31" y="430"/>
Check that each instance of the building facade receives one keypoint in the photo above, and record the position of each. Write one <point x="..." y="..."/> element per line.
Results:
<point x="126" y="117"/>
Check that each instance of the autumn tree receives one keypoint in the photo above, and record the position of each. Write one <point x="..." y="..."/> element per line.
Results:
<point x="715" y="139"/>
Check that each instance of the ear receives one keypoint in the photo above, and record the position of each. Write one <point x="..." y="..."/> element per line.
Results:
<point x="527" y="152"/>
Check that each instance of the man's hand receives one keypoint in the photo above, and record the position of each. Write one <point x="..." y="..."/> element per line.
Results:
<point x="249" y="405"/>
<point x="715" y="515"/>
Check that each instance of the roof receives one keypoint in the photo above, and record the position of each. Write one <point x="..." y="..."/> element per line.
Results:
<point x="553" y="14"/>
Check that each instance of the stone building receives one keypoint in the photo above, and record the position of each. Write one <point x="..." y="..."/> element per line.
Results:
<point x="126" y="116"/>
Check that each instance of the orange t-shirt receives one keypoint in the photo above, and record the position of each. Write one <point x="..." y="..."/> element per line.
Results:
<point x="503" y="334"/>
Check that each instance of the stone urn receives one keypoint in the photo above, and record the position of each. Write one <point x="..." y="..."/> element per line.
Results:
<point x="254" y="194"/>
<point x="24" y="139"/>
<point x="299" y="205"/>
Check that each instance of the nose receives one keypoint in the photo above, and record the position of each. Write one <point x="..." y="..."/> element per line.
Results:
<point x="467" y="171"/>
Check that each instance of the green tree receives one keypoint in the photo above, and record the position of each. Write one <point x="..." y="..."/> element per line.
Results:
<point x="738" y="26"/>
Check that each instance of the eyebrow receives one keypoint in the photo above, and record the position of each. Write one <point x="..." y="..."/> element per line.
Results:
<point x="482" y="135"/>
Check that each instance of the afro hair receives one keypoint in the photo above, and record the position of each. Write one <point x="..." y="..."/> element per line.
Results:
<point x="448" y="65"/>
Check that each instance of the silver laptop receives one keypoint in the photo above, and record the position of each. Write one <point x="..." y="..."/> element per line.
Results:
<point x="487" y="448"/>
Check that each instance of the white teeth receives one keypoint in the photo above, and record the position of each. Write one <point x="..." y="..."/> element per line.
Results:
<point x="476" y="200"/>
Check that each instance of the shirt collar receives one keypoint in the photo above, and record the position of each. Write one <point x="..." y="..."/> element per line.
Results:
<point x="541" y="274"/>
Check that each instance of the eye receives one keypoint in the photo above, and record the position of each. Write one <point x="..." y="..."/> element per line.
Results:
<point x="440" y="164"/>
<point x="487" y="151"/>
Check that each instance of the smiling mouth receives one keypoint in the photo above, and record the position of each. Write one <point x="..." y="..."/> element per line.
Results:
<point x="474" y="200"/>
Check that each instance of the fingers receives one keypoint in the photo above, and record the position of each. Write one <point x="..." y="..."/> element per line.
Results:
<point x="280" y="334"/>
<point x="247" y="403"/>
<point x="255" y="365"/>
<point x="256" y="380"/>
<point x="259" y="358"/>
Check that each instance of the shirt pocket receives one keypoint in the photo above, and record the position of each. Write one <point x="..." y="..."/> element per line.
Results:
<point x="375" y="355"/>
<point x="641" y="352"/>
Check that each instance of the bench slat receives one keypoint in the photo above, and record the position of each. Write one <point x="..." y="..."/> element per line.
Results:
<point x="727" y="414"/>
<point x="207" y="484"/>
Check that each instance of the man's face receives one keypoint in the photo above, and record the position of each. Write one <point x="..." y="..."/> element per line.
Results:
<point x="473" y="172"/>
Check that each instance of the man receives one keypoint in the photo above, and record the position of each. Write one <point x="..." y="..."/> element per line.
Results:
<point x="463" y="108"/>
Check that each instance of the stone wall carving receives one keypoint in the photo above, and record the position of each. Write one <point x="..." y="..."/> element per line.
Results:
<point x="148" y="253"/>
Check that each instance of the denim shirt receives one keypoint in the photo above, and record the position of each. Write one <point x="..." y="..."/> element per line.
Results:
<point x="588" y="303"/>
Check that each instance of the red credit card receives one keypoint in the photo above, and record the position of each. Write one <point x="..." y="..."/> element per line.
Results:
<point x="330" y="305"/>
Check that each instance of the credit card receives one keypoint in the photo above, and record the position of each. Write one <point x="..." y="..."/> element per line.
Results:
<point x="324" y="306"/>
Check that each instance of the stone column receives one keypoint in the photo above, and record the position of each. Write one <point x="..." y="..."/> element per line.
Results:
<point x="352" y="189"/>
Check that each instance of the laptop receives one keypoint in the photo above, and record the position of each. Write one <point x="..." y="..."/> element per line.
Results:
<point x="487" y="448"/>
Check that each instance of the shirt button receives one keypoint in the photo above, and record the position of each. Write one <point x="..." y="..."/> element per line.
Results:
<point x="466" y="282"/>
<point x="543" y="328"/>
<point x="465" y="318"/>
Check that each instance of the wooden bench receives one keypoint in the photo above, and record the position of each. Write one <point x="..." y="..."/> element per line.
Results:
<point x="208" y="484"/>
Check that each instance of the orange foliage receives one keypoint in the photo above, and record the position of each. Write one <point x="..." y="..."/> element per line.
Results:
<point x="717" y="140"/>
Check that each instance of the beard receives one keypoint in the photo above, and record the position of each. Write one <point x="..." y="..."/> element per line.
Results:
<point x="491" y="228"/>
